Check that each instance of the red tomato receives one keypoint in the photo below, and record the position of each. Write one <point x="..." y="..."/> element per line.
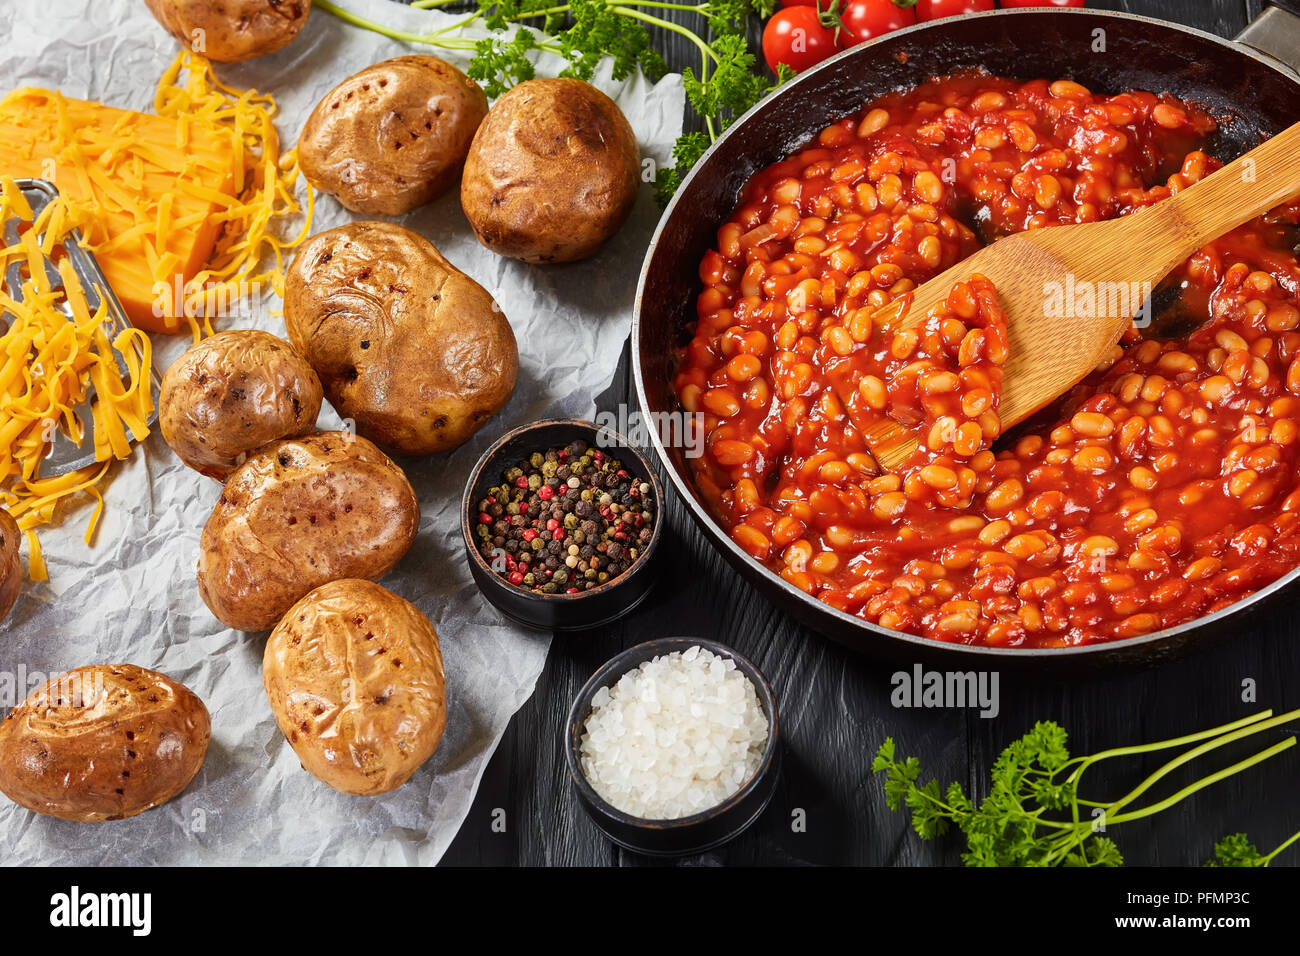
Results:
<point x="937" y="9"/>
<point x="796" y="37"/>
<point x="867" y="19"/>
<point x="1014" y="4"/>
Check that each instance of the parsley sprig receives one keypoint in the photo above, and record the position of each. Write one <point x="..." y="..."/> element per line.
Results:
<point x="1033" y="814"/>
<point x="726" y="83"/>
<point x="1237" y="850"/>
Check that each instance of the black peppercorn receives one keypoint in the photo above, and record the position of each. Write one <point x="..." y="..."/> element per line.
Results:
<point x="562" y="520"/>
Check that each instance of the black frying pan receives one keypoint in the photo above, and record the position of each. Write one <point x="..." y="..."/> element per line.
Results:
<point x="1251" y="94"/>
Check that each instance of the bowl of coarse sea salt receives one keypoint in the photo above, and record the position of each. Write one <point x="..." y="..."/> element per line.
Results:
<point x="673" y="746"/>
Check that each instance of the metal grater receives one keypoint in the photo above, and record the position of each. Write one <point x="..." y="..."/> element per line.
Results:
<point x="65" y="455"/>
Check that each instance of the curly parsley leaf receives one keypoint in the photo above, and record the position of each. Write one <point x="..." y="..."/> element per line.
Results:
<point x="500" y="64"/>
<point x="1237" y="850"/>
<point x="686" y="153"/>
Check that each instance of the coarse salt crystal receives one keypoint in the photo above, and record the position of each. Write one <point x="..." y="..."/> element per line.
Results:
<point x="690" y="729"/>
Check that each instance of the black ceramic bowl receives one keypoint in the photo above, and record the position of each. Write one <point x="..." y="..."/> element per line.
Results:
<point x="702" y="831"/>
<point x="560" y="612"/>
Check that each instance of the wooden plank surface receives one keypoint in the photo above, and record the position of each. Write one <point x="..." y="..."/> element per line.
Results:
<point x="835" y="707"/>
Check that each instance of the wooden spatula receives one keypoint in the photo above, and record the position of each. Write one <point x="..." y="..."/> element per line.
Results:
<point x="1050" y="352"/>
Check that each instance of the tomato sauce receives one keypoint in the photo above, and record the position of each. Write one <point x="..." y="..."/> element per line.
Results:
<point x="1160" y="489"/>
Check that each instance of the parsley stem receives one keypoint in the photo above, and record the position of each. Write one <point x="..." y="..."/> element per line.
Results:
<point x="458" y="25"/>
<point x="707" y="56"/>
<point x="564" y="8"/>
<point x="435" y="39"/>
<point x="1204" y="782"/>
<point x="1086" y="762"/>
<point x="431" y="4"/>
<point x="347" y="16"/>
<point x="1223" y="739"/>
<point x="667" y="25"/>
<point x="701" y="8"/>
<point x="1295" y="836"/>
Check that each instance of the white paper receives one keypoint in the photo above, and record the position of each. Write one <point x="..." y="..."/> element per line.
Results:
<point x="133" y="598"/>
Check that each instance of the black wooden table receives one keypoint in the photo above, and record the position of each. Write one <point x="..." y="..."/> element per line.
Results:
<point x="835" y="707"/>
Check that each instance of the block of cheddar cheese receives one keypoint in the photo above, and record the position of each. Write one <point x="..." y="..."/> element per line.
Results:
<point x="159" y="188"/>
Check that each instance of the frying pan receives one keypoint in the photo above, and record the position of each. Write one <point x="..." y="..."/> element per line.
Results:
<point x="1251" y="94"/>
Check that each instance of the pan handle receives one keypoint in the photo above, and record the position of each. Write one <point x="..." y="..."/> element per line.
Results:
<point x="1276" y="32"/>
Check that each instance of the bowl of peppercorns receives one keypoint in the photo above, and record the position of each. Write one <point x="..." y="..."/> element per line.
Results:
<point x="561" y="521"/>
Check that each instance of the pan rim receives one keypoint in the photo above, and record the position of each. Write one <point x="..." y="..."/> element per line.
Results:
<point x="742" y="562"/>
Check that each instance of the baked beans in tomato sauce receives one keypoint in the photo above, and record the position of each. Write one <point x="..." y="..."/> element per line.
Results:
<point x="1160" y="489"/>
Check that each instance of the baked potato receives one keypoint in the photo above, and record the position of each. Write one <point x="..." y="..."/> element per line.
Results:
<point x="405" y="344"/>
<point x="11" y="565"/>
<point x="231" y="31"/>
<point x="392" y="137"/>
<point x="102" y="743"/>
<point x="231" y="394"/>
<point x="298" y="513"/>
<point x="552" y="172"/>
<point x="354" y="676"/>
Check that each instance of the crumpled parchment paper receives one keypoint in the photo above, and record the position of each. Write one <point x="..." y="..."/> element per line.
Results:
<point x="132" y="598"/>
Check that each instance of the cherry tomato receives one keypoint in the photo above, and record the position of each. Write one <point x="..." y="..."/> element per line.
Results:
<point x="1015" y="4"/>
<point x="796" y="37"/>
<point x="867" y="19"/>
<point x="937" y="9"/>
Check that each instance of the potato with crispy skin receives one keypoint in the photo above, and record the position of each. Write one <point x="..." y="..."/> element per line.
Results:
<point x="405" y="344"/>
<point x="355" y="680"/>
<point x="102" y="743"/>
<point x="552" y="173"/>
<point x="231" y="31"/>
<point x="298" y="513"/>
<point x="231" y="394"/>
<point x="392" y="137"/>
<point x="11" y="565"/>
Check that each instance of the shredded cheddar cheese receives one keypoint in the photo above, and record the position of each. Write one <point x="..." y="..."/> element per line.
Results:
<point x="185" y="212"/>
<point x="188" y="203"/>
<point x="265" y="187"/>
<point x="54" y="352"/>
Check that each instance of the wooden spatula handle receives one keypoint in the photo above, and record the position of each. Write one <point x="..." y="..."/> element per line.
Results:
<point x="1250" y="185"/>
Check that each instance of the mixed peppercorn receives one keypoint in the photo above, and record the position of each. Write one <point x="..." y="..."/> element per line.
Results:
<point x="565" y="521"/>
